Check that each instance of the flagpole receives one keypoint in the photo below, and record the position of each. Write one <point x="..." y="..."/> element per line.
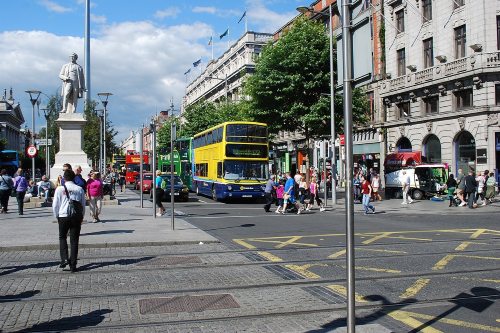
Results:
<point x="201" y="64"/>
<point x="212" y="43"/>
<point x="228" y="38"/>
<point x="246" y="26"/>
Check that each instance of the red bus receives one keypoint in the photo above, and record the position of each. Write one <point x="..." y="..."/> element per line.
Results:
<point x="133" y="164"/>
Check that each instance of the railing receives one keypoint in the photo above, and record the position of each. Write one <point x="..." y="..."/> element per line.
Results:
<point x="424" y="75"/>
<point x="456" y="66"/>
<point x="491" y="59"/>
<point x="397" y="82"/>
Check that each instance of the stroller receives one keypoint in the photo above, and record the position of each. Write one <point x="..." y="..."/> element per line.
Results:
<point x="454" y="199"/>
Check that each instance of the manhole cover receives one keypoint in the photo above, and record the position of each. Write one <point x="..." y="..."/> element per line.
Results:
<point x="187" y="304"/>
<point x="171" y="261"/>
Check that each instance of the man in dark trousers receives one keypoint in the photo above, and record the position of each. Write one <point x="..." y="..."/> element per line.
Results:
<point x="470" y="188"/>
<point x="60" y="208"/>
<point x="268" y="193"/>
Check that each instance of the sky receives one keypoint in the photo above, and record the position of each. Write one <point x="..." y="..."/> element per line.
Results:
<point x="140" y="50"/>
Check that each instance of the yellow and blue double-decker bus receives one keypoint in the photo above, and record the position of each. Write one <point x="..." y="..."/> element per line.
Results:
<point x="231" y="160"/>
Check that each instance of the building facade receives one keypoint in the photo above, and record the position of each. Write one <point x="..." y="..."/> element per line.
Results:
<point x="11" y="119"/>
<point x="442" y="97"/>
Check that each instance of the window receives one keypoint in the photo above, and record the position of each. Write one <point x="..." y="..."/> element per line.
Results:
<point x="463" y="99"/>
<point x="460" y="41"/>
<point x="403" y="110"/>
<point x="431" y="105"/>
<point x="401" y="62"/>
<point x="428" y="53"/>
<point x="371" y="100"/>
<point x="458" y="3"/>
<point x="497" y="94"/>
<point x="498" y="32"/>
<point x="400" y="21"/>
<point x="427" y="10"/>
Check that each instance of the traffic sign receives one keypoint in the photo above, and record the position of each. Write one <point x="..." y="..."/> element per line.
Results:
<point x="42" y="142"/>
<point x="31" y="151"/>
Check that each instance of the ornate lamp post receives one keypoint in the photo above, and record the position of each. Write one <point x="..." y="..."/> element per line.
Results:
<point x="104" y="104"/>
<point x="46" y="114"/>
<point x="100" y="115"/>
<point x="33" y="102"/>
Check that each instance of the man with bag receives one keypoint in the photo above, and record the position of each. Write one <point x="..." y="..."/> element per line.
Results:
<point x="69" y="209"/>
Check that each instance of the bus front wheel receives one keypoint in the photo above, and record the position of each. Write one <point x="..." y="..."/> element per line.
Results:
<point x="197" y="189"/>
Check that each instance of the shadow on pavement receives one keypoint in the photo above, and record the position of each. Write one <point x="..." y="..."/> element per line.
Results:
<point x="71" y="323"/>
<point x="14" y="298"/>
<point x="9" y="270"/>
<point x="122" y="262"/>
<point x="107" y="232"/>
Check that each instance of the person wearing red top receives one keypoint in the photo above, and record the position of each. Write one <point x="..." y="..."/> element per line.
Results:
<point x="367" y="193"/>
<point x="94" y="196"/>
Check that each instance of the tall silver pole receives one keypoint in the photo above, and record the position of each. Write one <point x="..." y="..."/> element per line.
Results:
<point x="332" y="114"/>
<point x="33" y="140"/>
<point x="172" y="172"/>
<point x="47" y="164"/>
<point x="347" y="66"/>
<point x="100" y="146"/>
<point x="153" y="126"/>
<point x="104" y="141"/>
<point x="87" y="50"/>
<point x="141" y="149"/>
<point x="325" y="154"/>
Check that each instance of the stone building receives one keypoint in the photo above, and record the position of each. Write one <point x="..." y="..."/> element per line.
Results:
<point x="11" y="119"/>
<point x="442" y="97"/>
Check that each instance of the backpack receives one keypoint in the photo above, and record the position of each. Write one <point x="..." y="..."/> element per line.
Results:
<point x="163" y="185"/>
<point x="75" y="208"/>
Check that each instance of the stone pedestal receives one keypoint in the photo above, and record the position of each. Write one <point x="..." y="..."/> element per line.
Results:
<point x="70" y="145"/>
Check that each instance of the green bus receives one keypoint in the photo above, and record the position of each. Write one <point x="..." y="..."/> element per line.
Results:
<point x="183" y="150"/>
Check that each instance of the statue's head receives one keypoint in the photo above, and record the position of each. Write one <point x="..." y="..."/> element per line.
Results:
<point x="73" y="56"/>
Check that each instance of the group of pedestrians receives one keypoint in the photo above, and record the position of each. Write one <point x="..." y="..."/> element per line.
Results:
<point x="292" y="192"/>
<point x="471" y="188"/>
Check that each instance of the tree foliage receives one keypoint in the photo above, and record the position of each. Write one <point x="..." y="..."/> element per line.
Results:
<point x="3" y="143"/>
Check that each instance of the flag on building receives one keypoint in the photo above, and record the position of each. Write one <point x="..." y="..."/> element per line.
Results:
<point x="224" y="34"/>
<point x="209" y="41"/>
<point x="244" y="14"/>
<point x="188" y="71"/>
<point x="196" y="63"/>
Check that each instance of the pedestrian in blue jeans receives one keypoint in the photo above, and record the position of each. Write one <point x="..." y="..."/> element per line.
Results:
<point x="367" y="194"/>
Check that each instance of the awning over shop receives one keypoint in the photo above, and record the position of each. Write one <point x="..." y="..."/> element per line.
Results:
<point x="403" y="159"/>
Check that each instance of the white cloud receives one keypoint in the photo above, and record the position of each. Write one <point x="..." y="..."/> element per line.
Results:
<point x="210" y="10"/>
<point x="92" y="4"/>
<point x="54" y="7"/>
<point x="265" y="19"/>
<point x="169" y="12"/>
<point x="143" y="73"/>
<point x="100" y="19"/>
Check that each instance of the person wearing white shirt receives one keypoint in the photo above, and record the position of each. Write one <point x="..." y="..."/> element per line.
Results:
<point x="60" y="207"/>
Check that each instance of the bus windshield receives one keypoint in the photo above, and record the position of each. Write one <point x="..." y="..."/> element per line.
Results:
<point x="237" y="170"/>
<point x="246" y="133"/>
<point x="137" y="167"/>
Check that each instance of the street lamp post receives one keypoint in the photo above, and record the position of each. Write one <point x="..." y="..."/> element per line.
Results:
<point x="303" y="9"/>
<point x="104" y="104"/>
<point x="47" y="164"/>
<point x="100" y="141"/>
<point x="33" y="102"/>
<point x="152" y="129"/>
<point x="225" y="84"/>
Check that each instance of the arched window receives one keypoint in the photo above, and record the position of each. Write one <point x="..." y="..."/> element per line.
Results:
<point x="465" y="151"/>
<point x="404" y="145"/>
<point x="432" y="149"/>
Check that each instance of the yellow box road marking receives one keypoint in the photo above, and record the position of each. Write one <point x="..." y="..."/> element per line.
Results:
<point x="476" y="279"/>
<point x="415" y="288"/>
<point x="338" y="254"/>
<point x="292" y="241"/>
<point x="443" y="262"/>
<point x="464" y="245"/>
<point x="343" y="291"/>
<point x="373" y="269"/>
<point x="244" y="244"/>
<point x="269" y="256"/>
<point x="303" y="270"/>
<point x="407" y="318"/>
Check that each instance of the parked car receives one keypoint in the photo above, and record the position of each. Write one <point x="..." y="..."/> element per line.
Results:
<point x="181" y="191"/>
<point x="147" y="180"/>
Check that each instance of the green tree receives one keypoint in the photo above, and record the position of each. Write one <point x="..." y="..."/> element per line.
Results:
<point x="3" y="143"/>
<point x="290" y="78"/>
<point x="53" y="106"/>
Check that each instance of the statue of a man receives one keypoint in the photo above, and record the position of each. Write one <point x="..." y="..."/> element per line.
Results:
<point x="73" y="84"/>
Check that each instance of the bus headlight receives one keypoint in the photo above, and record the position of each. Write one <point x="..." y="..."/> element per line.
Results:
<point x="229" y="188"/>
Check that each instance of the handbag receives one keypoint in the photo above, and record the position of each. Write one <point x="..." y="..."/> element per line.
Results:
<point x="12" y="189"/>
<point x="75" y="208"/>
<point x="286" y="196"/>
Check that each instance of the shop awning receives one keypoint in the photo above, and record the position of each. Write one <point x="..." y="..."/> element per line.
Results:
<point x="403" y="159"/>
